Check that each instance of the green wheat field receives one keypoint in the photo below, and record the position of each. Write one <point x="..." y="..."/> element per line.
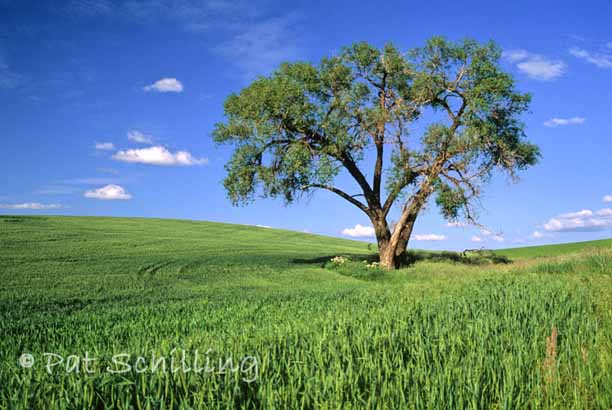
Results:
<point x="521" y="328"/>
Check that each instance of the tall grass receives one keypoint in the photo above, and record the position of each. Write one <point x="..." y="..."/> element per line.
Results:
<point x="590" y="261"/>
<point x="433" y="335"/>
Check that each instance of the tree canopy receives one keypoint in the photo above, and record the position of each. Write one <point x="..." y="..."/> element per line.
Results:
<point x="297" y="129"/>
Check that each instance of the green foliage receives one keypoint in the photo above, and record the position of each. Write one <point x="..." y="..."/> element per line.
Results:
<point x="450" y="200"/>
<point x="433" y="335"/>
<point x="298" y="128"/>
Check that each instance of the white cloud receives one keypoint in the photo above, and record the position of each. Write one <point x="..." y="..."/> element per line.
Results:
<point x="585" y="213"/>
<point x="535" y="66"/>
<point x="263" y="226"/>
<point x="486" y="234"/>
<point x="601" y="60"/>
<point x="580" y="221"/>
<point x="429" y="237"/>
<point x="139" y="137"/>
<point x="515" y="56"/>
<point x="541" y="69"/>
<point x="604" y="212"/>
<point x="104" y="146"/>
<point x="607" y="198"/>
<point x="359" y="231"/>
<point x="575" y="225"/>
<point x="108" y="192"/>
<point x="538" y="234"/>
<point x="158" y="155"/>
<point x="31" y="205"/>
<point x="555" y="122"/>
<point x="456" y="224"/>
<point x="165" y="85"/>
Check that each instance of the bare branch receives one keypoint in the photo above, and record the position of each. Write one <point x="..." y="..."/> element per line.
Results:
<point x="339" y="192"/>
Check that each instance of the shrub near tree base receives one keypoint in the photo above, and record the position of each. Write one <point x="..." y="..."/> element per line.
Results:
<point x="360" y="269"/>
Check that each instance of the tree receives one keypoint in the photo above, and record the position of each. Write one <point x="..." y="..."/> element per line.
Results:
<point x="297" y="129"/>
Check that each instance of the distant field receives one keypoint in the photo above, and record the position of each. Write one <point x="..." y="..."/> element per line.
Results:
<point x="441" y="333"/>
<point x="555" y="250"/>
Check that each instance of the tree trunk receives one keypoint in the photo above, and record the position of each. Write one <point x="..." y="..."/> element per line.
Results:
<point x="402" y="244"/>
<point x="386" y="252"/>
<point x="390" y="251"/>
<point x="388" y="258"/>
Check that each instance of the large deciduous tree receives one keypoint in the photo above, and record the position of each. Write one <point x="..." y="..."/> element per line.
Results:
<point x="297" y="129"/>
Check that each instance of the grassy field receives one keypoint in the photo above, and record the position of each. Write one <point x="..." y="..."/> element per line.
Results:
<point x="281" y="327"/>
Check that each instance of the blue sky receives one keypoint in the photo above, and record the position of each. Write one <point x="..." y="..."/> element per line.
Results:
<point x="107" y="107"/>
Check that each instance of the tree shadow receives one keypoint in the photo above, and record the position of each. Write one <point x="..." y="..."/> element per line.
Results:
<point x="322" y="260"/>
<point x="468" y="257"/>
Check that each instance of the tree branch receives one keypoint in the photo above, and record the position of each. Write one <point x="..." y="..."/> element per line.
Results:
<point x="339" y="192"/>
<point x="380" y="138"/>
<point x="347" y="160"/>
<point x="351" y="166"/>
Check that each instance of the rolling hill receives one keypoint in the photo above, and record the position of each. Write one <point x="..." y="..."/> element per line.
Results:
<point x="313" y="333"/>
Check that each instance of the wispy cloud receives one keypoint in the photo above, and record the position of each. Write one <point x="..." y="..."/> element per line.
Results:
<point x="556" y="122"/>
<point x="580" y="221"/>
<point x="104" y="146"/>
<point x="165" y="85"/>
<point x="600" y="59"/>
<point x="31" y="205"/>
<point x="187" y="15"/>
<point x="108" y="192"/>
<point x="359" y="231"/>
<point x="456" y="224"/>
<point x="607" y="198"/>
<point x="262" y="45"/>
<point x="9" y="78"/>
<point x="89" y="181"/>
<point x="256" y="42"/>
<point x="57" y="190"/>
<point x="429" y="237"/>
<point x="90" y="7"/>
<point x="159" y="155"/>
<point x="108" y="171"/>
<point x="74" y="185"/>
<point x="139" y="137"/>
<point x="536" y="66"/>
<point x="487" y="235"/>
